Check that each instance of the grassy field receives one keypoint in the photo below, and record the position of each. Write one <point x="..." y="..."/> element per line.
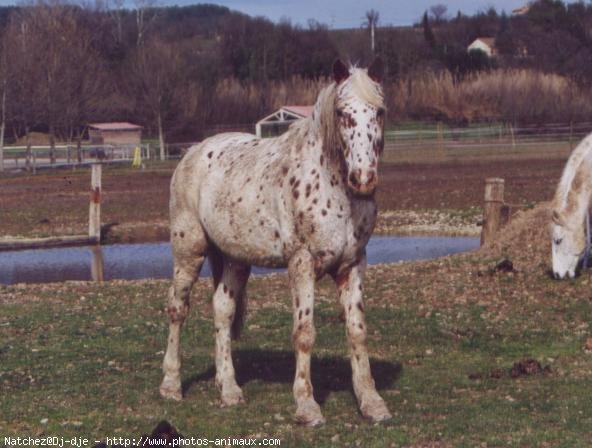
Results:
<point x="443" y="336"/>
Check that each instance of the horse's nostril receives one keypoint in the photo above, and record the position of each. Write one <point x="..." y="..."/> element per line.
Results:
<point x="371" y="177"/>
<point x="353" y="179"/>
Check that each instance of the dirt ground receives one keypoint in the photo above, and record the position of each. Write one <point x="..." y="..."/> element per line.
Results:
<point x="414" y="197"/>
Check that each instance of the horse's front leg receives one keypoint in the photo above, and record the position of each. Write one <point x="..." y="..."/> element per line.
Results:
<point x="302" y="279"/>
<point x="349" y="283"/>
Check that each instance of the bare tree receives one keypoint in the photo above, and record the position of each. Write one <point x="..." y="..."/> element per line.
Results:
<point x="3" y="92"/>
<point x="55" y="71"/>
<point x="145" y="16"/>
<point x="438" y="12"/>
<point x="82" y="94"/>
<point x="371" y="22"/>
<point x="24" y="77"/>
<point x="156" y="74"/>
<point x="116" y="12"/>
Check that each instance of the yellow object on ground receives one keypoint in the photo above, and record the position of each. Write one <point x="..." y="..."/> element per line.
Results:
<point x="137" y="157"/>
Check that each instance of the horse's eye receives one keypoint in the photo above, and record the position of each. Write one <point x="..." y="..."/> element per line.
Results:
<point x="558" y="241"/>
<point x="340" y="112"/>
<point x="380" y="112"/>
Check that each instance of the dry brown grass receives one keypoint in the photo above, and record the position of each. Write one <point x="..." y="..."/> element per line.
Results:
<point x="520" y="96"/>
<point x="523" y="96"/>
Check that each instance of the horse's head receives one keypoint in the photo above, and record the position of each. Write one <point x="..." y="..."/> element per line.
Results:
<point x="568" y="240"/>
<point x="359" y="116"/>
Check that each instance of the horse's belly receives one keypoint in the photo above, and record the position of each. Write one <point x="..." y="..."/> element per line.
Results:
<point x="249" y="234"/>
<point x="251" y="252"/>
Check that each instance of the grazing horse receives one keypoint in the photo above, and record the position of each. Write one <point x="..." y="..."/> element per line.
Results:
<point x="303" y="200"/>
<point x="570" y="211"/>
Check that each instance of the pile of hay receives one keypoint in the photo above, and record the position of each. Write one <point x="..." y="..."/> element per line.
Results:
<point x="525" y="240"/>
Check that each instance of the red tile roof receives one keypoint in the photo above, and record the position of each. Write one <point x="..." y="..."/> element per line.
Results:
<point x="117" y="126"/>
<point x="303" y="111"/>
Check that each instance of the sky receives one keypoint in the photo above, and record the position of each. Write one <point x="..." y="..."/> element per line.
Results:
<point x="345" y="13"/>
<point x="351" y="13"/>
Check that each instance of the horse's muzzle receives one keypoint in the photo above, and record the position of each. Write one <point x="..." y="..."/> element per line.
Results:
<point x="363" y="181"/>
<point x="566" y="275"/>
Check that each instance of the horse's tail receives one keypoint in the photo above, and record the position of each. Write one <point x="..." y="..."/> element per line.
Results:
<point x="217" y="264"/>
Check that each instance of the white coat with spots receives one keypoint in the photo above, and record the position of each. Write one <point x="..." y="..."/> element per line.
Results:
<point x="570" y="209"/>
<point x="305" y="201"/>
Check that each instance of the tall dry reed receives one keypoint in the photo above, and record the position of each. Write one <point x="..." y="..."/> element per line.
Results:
<point x="519" y="96"/>
<point x="523" y="96"/>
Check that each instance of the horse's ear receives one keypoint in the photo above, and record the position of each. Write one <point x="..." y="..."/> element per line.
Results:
<point x="340" y="71"/>
<point x="376" y="70"/>
<point x="558" y="218"/>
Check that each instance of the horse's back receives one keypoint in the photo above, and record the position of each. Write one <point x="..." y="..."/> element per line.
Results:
<point x="197" y="165"/>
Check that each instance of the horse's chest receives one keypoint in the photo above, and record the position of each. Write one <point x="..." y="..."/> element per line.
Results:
<point x="331" y="225"/>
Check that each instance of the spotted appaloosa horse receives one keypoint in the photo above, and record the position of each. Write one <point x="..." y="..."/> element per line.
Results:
<point x="305" y="201"/>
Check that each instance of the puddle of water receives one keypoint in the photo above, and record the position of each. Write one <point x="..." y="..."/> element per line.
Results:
<point x="154" y="260"/>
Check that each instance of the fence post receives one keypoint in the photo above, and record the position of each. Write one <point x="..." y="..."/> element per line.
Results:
<point x="94" y="213"/>
<point x="97" y="265"/>
<point x="492" y="211"/>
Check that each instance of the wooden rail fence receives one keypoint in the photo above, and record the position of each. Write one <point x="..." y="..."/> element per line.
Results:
<point x="94" y="224"/>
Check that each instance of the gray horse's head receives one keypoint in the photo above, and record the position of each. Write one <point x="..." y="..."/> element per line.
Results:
<point x="568" y="242"/>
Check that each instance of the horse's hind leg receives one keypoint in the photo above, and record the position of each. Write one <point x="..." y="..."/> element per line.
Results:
<point x="189" y="248"/>
<point x="229" y="305"/>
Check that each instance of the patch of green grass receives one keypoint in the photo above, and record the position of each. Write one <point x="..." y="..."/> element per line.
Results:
<point x="87" y="357"/>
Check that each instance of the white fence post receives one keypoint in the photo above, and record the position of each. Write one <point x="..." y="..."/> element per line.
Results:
<point x="94" y="213"/>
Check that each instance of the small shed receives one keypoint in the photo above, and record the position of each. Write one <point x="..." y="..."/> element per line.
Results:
<point x="118" y="133"/>
<point x="279" y="121"/>
<point x="484" y="44"/>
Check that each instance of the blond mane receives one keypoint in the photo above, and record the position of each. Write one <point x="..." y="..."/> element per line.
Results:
<point x="362" y="86"/>
<point x="324" y="118"/>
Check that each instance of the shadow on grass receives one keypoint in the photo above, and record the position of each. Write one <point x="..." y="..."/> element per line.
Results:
<point x="329" y="374"/>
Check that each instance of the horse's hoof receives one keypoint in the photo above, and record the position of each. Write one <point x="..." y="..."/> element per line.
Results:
<point x="385" y="420"/>
<point x="171" y="393"/>
<point x="376" y="412"/>
<point x="233" y="398"/>
<point x="309" y="415"/>
<point x="309" y="422"/>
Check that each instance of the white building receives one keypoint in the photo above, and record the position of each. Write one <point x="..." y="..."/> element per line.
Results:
<point x="484" y="44"/>
<point x="278" y="122"/>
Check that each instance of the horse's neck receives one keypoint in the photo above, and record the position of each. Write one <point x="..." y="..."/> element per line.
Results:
<point x="575" y="202"/>
<point x="314" y="135"/>
<point x="576" y="172"/>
